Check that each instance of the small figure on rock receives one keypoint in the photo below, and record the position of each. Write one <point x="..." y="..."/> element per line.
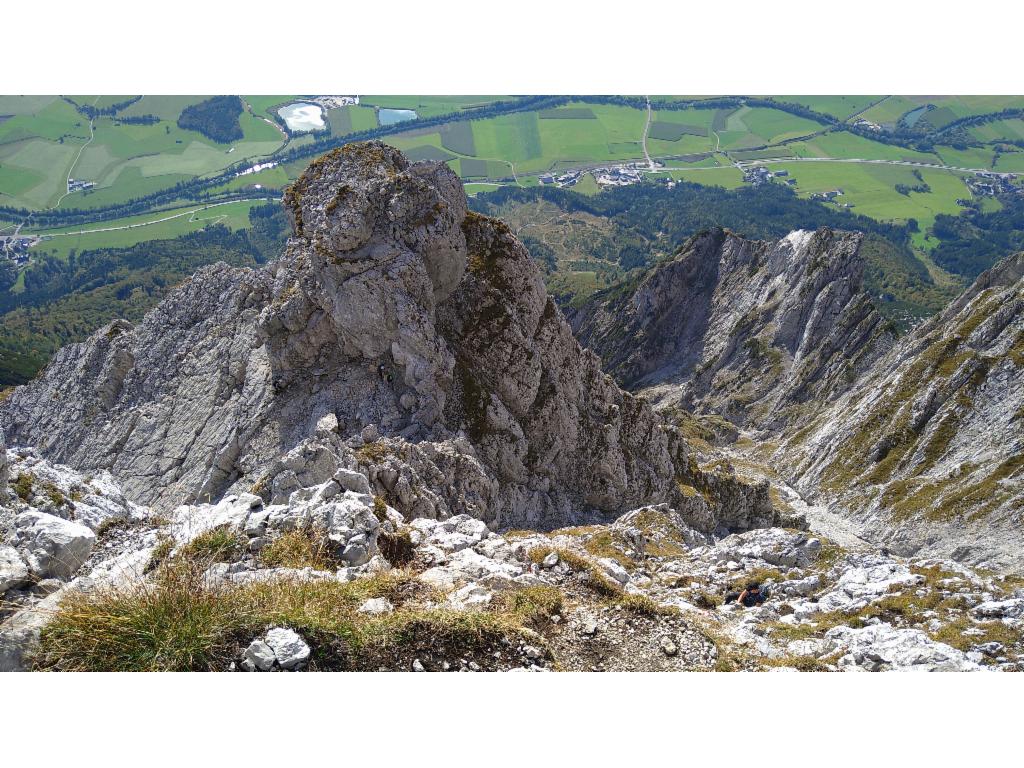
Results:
<point x="752" y="595"/>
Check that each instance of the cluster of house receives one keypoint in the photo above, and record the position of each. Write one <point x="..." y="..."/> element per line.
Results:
<point x="612" y="176"/>
<point x="332" y="102"/>
<point x="76" y="185"/>
<point x="16" y="248"/>
<point x="863" y="123"/>
<point x="993" y="184"/>
<point x="256" y="168"/>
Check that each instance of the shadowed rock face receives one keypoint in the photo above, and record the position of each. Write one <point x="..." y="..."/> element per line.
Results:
<point x="391" y="312"/>
<point x="746" y="329"/>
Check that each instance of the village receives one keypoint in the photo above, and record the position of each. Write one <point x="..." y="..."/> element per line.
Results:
<point x="609" y="176"/>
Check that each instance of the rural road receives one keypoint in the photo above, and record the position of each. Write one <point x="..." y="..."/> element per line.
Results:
<point x="92" y="135"/>
<point x="912" y="163"/>
<point x="647" y="128"/>
<point x="191" y="212"/>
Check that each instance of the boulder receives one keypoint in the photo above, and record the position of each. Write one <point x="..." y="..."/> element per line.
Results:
<point x="259" y="656"/>
<point x="613" y="569"/>
<point x="867" y="578"/>
<point x="376" y="606"/>
<point x="880" y="646"/>
<point x="289" y="648"/>
<point x="13" y="569"/>
<point x="999" y="609"/>
<point x="470" y="596"/>
<point x="52" y="546"/>
<point x="775" y="546"/>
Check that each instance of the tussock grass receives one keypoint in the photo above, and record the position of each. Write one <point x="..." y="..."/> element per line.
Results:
<point x="593" y="576"/>
<point x="217" y="545"/>
<point x="300" y="549"/>
<point x="760" y="575"/>
<point x="179" y="621"/>
<point x="645" y="606"/>
<point x="23" y="486"/>
<point x="531" y="605"/>
<point x="995" y="631"/>
<point x="160" y="553"/>
<point x="397" y="548"/>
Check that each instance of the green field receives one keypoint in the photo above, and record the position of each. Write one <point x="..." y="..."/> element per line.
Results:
<point x="870" y="189"/>
<point x="139" y="229"/>
<point x="44" y="140"/>
<point x="840" y="107"/>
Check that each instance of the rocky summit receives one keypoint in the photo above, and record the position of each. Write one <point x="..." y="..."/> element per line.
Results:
<point x="387" y="450"/>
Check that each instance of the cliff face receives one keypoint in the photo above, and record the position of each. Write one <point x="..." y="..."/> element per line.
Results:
<point x="396" y="332"/>
<point x="918" y="442"/>
<point x="927" y="450"/>
<point x="753" y="331"/>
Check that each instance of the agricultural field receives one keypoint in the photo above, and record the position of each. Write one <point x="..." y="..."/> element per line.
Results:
<point x="46" y="141"/>
<point x="123" y="233"/>
<point x="870" y="189"/>
<point x="431" y="106"/>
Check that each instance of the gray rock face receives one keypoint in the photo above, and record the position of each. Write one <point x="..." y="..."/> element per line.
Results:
<point x="13" y="569"/>
<point x="394" y="316"/>
<point x="742" y="328"/>
<point x="925" y="450"/>
<point x="289" y="649"/>
<point x="882" y="647"/>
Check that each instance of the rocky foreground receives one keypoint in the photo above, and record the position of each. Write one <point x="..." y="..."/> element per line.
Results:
<point x="334" y="578"/>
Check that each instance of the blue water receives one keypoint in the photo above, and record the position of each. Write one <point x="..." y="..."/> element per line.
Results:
<point x="392" y="116"/>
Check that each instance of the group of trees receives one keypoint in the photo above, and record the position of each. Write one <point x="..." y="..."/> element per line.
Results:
<point x="971" y="242"/>
<point x="93" y="112"/>
<point x="216" y="118"/>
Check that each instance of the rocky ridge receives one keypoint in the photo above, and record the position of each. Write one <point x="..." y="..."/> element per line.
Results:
<point x="418" y="335"/>
<point x="925" y="451"/>
<point x="755" y="332"/>
<point x="917" y="442"/>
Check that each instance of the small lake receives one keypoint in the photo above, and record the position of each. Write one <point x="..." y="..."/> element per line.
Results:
<point x="302" y="117"/>
<point x="392" y="116"/>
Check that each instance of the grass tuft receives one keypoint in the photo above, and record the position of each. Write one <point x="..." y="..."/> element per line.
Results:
<point x="299" y="549"/>
<point x="217" y="545"/>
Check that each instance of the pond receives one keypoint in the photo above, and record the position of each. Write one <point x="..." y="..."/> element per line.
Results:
<point x="392" y="116"/>
<point x="302" y="117"/>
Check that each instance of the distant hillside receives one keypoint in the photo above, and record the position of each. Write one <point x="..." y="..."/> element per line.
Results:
<point x="588" y="243"/>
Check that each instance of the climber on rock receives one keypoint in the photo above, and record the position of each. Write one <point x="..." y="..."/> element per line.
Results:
<point x="751" y="596"/>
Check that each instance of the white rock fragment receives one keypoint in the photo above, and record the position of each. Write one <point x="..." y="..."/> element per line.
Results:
<point x="290" y="650"/>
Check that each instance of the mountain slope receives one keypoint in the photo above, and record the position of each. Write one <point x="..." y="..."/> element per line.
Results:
<point x="927" y="450"/>
<point x="754" y="331"/>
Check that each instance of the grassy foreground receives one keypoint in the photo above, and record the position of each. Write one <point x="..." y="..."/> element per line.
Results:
<point x="179" y="621"/>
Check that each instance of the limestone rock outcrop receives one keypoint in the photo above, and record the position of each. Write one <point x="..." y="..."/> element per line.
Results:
<point x="753" y="331"/>
<point x="925" y="451"/>
<point x="395" y="328"/>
